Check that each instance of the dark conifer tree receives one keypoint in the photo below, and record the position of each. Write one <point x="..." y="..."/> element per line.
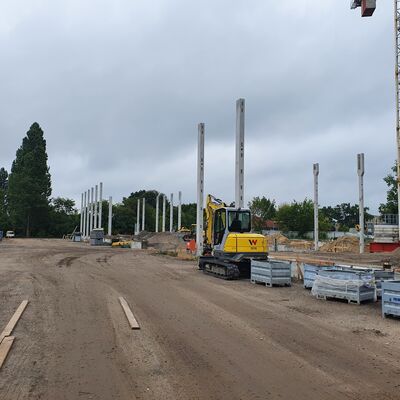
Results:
<point x="29" y="186"/>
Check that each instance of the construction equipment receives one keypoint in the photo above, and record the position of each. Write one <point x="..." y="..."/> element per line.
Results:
<point x="229" y="244"/>
<point x="367" y="6"/>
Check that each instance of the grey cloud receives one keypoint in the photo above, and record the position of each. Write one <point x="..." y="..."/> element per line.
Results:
<point x="120" y="87"/>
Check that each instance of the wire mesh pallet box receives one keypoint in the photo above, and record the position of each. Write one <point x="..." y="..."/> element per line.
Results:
<point x="391" y="298"/>
<point x="310" y="272"/>
<point x="355" y="286"/>
<point x="271" y="272"/>
<point x="380" y="276"/>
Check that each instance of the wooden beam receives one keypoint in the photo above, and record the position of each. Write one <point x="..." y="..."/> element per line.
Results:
<point x="5" y="347"/>
<point x="129" y="315"/>
<point x="13" y="321"/>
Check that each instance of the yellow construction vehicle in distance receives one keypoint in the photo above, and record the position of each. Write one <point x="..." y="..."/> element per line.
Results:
<point x="229" y="244"/>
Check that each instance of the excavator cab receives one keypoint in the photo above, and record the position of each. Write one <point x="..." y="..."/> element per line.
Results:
<point x="229" y="243"/>
<point x="228" y="220"/>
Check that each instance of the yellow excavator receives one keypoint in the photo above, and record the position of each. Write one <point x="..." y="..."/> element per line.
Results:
<point x="229" y="244"/>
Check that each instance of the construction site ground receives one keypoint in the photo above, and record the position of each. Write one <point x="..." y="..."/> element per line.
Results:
<point x="200" y="337"/>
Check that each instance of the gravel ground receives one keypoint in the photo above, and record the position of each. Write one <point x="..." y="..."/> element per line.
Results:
<point x="200" y="337"/>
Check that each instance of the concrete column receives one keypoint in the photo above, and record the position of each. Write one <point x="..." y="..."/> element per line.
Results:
<point x="164" y="206"/>
<point x="109" y="216"/>
<point x="96" y="203"/>
<point x="138" y="217"/>
<point x="91" y="210"/>
<point x="316" y="217"/>
<point x="100" y="225"/>
<point x="143" y="214"/>
<point x="81" y="221"/>
<point x="360" y="171"/>
<point x="88" y="214"/>
<point x="84" y="216"/>
<point x="171" y="213"/>
<point x="239" y="170"/>
<point x="157" y="210"/>
<point x="200" y="189"/>
<point x="179" y="210"/>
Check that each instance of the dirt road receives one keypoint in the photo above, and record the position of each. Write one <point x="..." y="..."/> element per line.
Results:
<point x="200" y="337"/>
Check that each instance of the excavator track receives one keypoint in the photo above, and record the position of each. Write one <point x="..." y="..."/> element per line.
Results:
<point x="223" y="269"/>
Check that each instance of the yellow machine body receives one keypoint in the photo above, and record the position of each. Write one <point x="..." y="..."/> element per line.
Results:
<point x="245" y="243"/>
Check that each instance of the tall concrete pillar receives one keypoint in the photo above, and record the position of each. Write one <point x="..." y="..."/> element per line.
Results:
<point x="96" y="203"/>
<point x="91" y="210"/>
<point x="110" y="216"/>
<point x="239" y="164"/>
<point x="200" y="189"/>
<point x="88" y="214"/>
<point x="316" y="219"/>
<point x="164" y="206"/>
<point x="81" y="219"/>
<point x="143" y="214"/>
<point x="138" y="217"/>
<point x="360" y="171"/>
<point x="100" y="224"/>
<point x="179" y="210"/>
<point x="84" y="216"/>
<point x="157" y="210"/>
<point x="171" y="213"/>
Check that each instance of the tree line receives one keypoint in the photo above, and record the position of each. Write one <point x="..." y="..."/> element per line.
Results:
<point x="26" y="205"/>
<point x="299" y="216"/>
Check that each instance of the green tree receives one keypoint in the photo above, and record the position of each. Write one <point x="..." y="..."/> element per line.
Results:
<point x="189" y="214"/>
<point x="64" y="217"/>
<point x="391" y="205"/>
<point x="297" y="216"/>
<point x="29" y="186"/>
<point x="345" y="214"/>
<point x="4" y="220"/>
<point x="262" y="209"/>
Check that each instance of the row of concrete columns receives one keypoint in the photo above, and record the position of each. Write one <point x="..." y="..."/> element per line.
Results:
<point x="141" y="205"/>
<point x="360" y="173"/>
<point x="92" y="210"/>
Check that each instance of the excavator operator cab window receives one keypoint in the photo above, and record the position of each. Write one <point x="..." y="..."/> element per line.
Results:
<point x="219" y="226"/>
<point x="239" y="221"/>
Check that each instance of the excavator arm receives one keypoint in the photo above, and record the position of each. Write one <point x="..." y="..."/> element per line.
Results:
<point x="212" y="204"/>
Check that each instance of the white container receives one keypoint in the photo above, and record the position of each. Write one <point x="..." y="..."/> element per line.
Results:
<point x="136" y="245"/>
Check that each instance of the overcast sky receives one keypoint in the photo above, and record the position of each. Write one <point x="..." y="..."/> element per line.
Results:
<point x="119" y="87"/>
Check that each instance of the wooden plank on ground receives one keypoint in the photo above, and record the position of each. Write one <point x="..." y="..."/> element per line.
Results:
<point x="5" y="347"/>
<point x="129" y="315"/>
<point x="13" y="321"/>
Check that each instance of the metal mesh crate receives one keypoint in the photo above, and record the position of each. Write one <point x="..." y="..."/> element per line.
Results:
<point x="96" y="242"/>
<point x="97" y="234"/>
<point x="391" y="298"/>
<point x="310" y="272"/>
<point x="380" y="276"/>
<point x="355" y="286"/>
<point x="271" y="272"/>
